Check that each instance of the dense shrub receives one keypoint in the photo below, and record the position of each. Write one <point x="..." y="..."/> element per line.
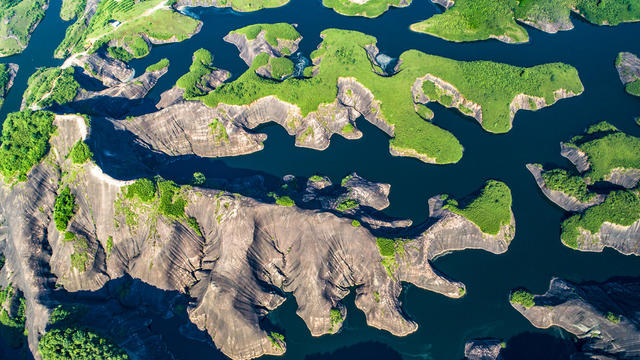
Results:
<point x="144" y="189"/>
<point x="561" y="180"/>
<point x="75" y="343"/>
<point x="523" y="298"/>
<point x="64" y="208"/>
<point x="80" y="152"/>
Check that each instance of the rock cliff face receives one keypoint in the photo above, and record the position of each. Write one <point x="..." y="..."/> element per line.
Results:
<point x="567" y="202"/>
<point x="625" y="239"/>
<point x="603" y="315"/>
<point x="110" y="71"/>
<point x="237" y="263"/>
<point x="485" y="349"/>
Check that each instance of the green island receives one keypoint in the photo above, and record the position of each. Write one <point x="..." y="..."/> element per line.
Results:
<point x="522" y="297"/>
<point x="470" y="20"/>
<point x="273" y="33"/>
<point x="621" y="207"/>
<point x="5" y="81"/>
<point x="127" y="27"/>
<point x="48" y="86"/>
<point x="572" y="185"/>
<point x="342" y="54"/>
<point x="607" y="148"/>
<point x="25" y="141"/>
<point x="250" y="5"/>
<point x="194" y="81"/>
<point x="12" y="316"/>
<point x="72" y="9"/>
<point x="18" y="19"/>
<point x="367" y="8"/>
<point x="490" y="209"/>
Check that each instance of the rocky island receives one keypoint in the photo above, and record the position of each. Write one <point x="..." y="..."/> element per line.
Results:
<point x="604" y="316"/>
<point x="628" y="66"/>
<point x="470" y="20"/>
<point x="611" y="218"/>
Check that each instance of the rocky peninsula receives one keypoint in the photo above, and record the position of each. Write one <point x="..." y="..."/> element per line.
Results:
<point x="224" y="248"/>
<point x="628" y="66"/>
<point x="7" y="75"/>
<point x="604" y="316"/>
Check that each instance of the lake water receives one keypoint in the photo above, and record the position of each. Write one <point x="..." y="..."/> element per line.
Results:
<point x="535" y="255"/>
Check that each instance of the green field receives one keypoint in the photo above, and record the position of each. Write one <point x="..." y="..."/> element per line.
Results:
<point x="18" y="19"/>
<point x="136" y="21"/>
<point x="607" y="149"/>
<point x="490" y="209"/>
<point x="371" y="8"/>
<point x="342" y="54"/>
<point x="470" y="20"/>
<point x="251" y="5"/>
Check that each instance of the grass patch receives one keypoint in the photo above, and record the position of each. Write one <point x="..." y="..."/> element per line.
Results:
<point x="281" y="67"/>
<point x="193" y="223"/>
<point x="284" y="201"/>
<point x="370" y="9"/>
<point x="335" y="316"/>
<point x="389" y="248"/>
<point x="620" y="207"/>
<point x="523" y="298"/>
<point x="347" y="204"/>
<point x="25" y="141"/>
<point x="71" y="9"/>
<point x="315" y="178"/>
<point x="160" y="65"/>
<point x="613" y="317"/>
<point x="490" y="210"/>
<point x="277" y="340"/>
<point x="633" y="88"/>
<point x="355" y="223"/>
<point x="572" y="185"/>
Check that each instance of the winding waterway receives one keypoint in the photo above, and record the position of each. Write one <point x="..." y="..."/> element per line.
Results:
<point x="535" y="255"/>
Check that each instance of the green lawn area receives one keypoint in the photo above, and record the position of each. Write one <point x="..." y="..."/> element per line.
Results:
<point x="51" y="85"/>
<point x="25" y="141"/>
<point x="71" y="9"/>
<point x="342" y="54"/>
<point x="470" y="20"/>
<point x="136" y="19"/>
<point x="18" y="19"/>
<point x="250" y="5"/>
<point x="490" y="210"/>
<point x="371" y="8"/>
<point x="621" y="207"/>
<point x="572" y="185"/>
<point x="273" y="32"/>
<point x="607" y="149"/>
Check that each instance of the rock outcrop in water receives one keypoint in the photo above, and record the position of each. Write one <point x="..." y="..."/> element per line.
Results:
<point x="628" y="66"/>
<point x="483" y="349"/>
<point x="237" y="261"/>
<point x="604" y="316"/>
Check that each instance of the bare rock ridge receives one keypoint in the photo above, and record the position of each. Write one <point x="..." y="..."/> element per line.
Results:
<point x="567" y="202"/>
<point x="628" y="66"/>
<point x="249" y="49"/>
<point x="603" y="315"/>
<point x="237" y="263"/>
<point x="483" y="349"/>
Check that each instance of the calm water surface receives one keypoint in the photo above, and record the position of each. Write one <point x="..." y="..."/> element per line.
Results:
<point x="535" y="255"/>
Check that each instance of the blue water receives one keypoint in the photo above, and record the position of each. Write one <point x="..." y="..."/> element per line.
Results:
<point x="535" y="255"/>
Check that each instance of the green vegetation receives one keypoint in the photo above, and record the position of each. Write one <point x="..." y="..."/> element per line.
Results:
<point x="470" y="20"/>
<point x="12" y="316"/>
<point x="219" y="132"/>
<point x="613" y="317"/>
<point x="193" y="223"/>
<point x="51" y="85"/>
<point x="198" y="178"/>
<point x="194" y="82"/>
<point x="342" y="54"/>
<point x="18" y="19"/>
<point x="335" y="316"/>
<point x="160" y="65"/>
<point x="143" y="189"/>
<point x="633" y="88"/>
<point x="109" y="245"/>
<point x="348" y="129"/>
<point x="572" y="185"/>
<point x="347" y="204"/>
<point x="355" y="223"/>
<point x="127" y="24"/>
<point x="281" y="67"/>
<point x="490" y="210"/>
<point x="493" y="86"/>
<point x="523" y="298"/>
<point x="277" y="340"/>
<point x="5" y="78"/>
<point x="345" y="180"/>
<point x="620" y="207"/>
<point x="80" y="255"/>
<point x="607" y="149"/>
<point x="370" y="9"/>
<point x="25" y="141"/>
<point x="64" y="208"/>
<point x="71" y="9"/>
<point x="390" y="249"/>
<point x="316" y="178"/>
<point x="273" y="33"/>
<point x="75" y="343"/>
<point x="250" y="5"/>
<point x="80" y="153"/>
<point x="284" y="200"/>
<point x="171" y="203"/>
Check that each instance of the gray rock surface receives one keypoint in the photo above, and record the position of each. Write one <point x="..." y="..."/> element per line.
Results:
<point x="247" y="255"/>
<point x="567" y="202"/>
<point x="628" y="67"/>
<point x="483" y="349"/>
<point x="249" y="49"/>
<point x="111" y="72"/>
<point x="625" y="239"/>
<point x="603" y="315"/>
<point x="577" y="157"/>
